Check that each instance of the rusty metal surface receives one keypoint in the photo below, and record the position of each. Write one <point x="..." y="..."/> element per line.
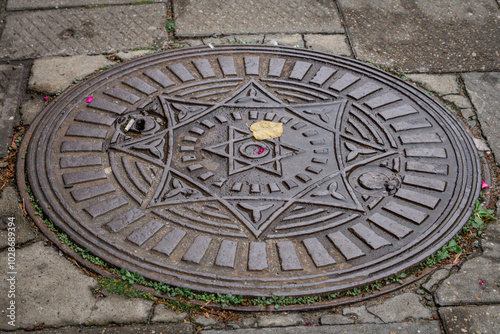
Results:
<point x="160" y="174"/>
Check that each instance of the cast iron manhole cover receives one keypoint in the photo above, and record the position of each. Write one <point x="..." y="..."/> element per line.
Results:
<point x="160" y="173"/>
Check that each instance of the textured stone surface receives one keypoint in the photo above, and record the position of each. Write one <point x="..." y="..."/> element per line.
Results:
<point x="399" y="308"/>
<point x="116" y="309"/>
<point x="217" y="17"/>
<point x="336" y="44"/>
<point x="38" y="4"/>
<point x="458" y="100"/>
<point x="82" y="31"/>
<point x="285" y="40"/>
<point x="483" y="90"/>
<point x="129" y="55"/>
<point x="53" y="291"/>
<point x="472" y="319"/>
<point x="361" y="315"/>
<point x="427" y="327"/>
<point x="279" y="320"/>
<point x="257" y="39"/>
<point x="463" y="287"/>
<point x="435" y="278"/>
<point x="191" y="42"/>
<point x="54" y="74"/>
<point x="124" y="329"/>
<point x="9" y="208"/>
<point x="335" y="319"/>
<point x="204" y="321"/>
<point x="163" y="314"/>
<point x="49" y="289"/>
<point x="440" y="84"/>
<point x="31" y="108"/>
<point x="423" y="35"/>
<point x="10" y="89"/>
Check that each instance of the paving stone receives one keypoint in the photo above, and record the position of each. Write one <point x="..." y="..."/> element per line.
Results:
<point x="435" y="278"/>
<point x="427" y="327"/>
<point x="336" y="44"/>
<point x="468" y="113"/>
<point x="116" y="309"/>
<point x="361" y="314"/>
<point x="285" y="40"/>
<point x="463" y="287"/>
<point x="49" y="289"/>
<point x="279" y="320"/>
<point x="483" y="90"/>
<point x="42" y="4"/>
<point x="335" y="319"/>
<point x="31" y="108"/>
<point x="191" y="42"/>
<point x="9" y="208"/>
<point x="458" y="100"/>
<point x="218" y="17"/>
<point x="123" y="329"/>
<point x="52" y="75"/>
<point x="249" y="39"/>
<point x="163" y="314"/>
<point x="480" y="144"/>
<point x="440" y="84"/>
<point x="217" y="41"/>
<point x="472" y="319"/>
<point x="83" y="31"/>
<point x="204" y="321"/>
<point x="402" y="307"/>
<point x="425" y="35"/>
<point x="129" y="55"/>
<point x="10" y="89"/>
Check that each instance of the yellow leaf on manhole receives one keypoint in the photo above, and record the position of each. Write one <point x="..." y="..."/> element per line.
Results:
<point x="266" y="130"/>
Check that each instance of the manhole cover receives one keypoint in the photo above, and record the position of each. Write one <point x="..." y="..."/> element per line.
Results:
<point x="160" y="173"/>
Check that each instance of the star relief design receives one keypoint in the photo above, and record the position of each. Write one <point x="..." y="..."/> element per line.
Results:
<point x="243" y="153"/>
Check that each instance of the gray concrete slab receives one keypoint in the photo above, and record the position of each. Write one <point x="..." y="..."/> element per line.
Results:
<point x="483" y="89"/>
<point x="54" y="74"/>
<point x="463" y="288"/>
<point x="11" y="81"/>
<point x="42" y="4"/>
<point x="425" y="35"/>
<point x="428" y="327"/>
<point x="13" y="224"/>
<point x="120" y="329"/>
<point x="400" y="308"/>
<point x="336" y="44"/>
<point x="218" y="17"/>
<point x="51" y="290"/>
<point x="472" y="319"/>
<point x="83" y="31"/>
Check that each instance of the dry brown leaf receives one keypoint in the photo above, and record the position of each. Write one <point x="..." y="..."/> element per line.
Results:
<point x="266" y="130"/>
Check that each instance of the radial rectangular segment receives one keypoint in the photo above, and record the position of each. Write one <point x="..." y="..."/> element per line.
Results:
<point x="318" y="253"/>
<point x="368" y="236"/>
<point x="197" y="250"/>
<point x="169" y="242"/>
<point x="348" y="248"/>
<point x="145" y="232"/>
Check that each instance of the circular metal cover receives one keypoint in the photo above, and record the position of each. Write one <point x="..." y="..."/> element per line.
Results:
<point x="160" y="173"/>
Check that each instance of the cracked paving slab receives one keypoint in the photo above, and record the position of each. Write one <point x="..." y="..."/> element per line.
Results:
<point x="83" y="31"/>
<point x="483" y="89"/>
<point x="428" y="327"/>
<point x="425" y="35"/>
<point x="217" y="17"/>
<point x="463" y="287"/>
<point x="51" y="290"/>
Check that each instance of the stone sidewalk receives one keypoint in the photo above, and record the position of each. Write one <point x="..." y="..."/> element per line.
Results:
<point x="446" y="47"/>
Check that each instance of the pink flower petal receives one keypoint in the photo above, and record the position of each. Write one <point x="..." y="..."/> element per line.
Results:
<point x="89" y="99"/>
<point x="484" y="185"/>
<point x="46" y="98"/>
